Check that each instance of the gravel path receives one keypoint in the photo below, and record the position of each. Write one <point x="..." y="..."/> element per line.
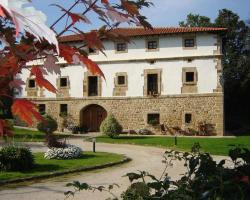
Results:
<point x="144" y="158"/>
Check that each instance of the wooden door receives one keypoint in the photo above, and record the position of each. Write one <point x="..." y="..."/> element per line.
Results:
<point x="92" y="117"/>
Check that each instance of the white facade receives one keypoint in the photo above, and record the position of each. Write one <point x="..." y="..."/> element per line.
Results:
<point x="171" y="58"/>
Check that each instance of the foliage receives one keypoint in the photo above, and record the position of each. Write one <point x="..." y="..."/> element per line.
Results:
<point x="144" y="131"/>
<point x="68" y="152"/>
<point x="153" y="122"/>
<point x="24" y="39"/>
<point x="16" y="158"/>
<point x="204" y="178"/>
<point x="110" y="126"/>
<point x="196" y="21"/>
<point x="48" y="125"/>
<point x="137" y="191"/>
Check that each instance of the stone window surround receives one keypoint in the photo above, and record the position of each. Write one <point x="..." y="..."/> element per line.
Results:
<point x="189" y="69"/>
<point x="192" y="123"/>
<point x="86" y="85"/>
<point x="189" y="37"/>
<point x="45" y="107"/>
<point x="31" y="92"/>
<point x="148" y="39"/>
<point x="116" y="79"/>
<point x="27" y="84"/>
<point x="152" y="71"/>
<point x="59" y="108"/>
<point x="152" y="113"/>
<point x="126" y="50"/>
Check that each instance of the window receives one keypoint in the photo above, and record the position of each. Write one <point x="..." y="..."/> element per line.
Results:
<point x="92" y="51"/>
<point x="152" y="45"/>
<point x="188" y="118"/>
<point x="121" y="80"/>
<point x="189" y="77"/>
<point x="152" y="84"/>
<point x="153" y="119"/>
<point x="121" y="47"/>
<point x="63" y="82"/>
<point x="32" y="83"/>
<point x="42" y="109"/>
<point x="64" y="109"/>
<point x="92" y="86"/>
<point x="189" y="42"/>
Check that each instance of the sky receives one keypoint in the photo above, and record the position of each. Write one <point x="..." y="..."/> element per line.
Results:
<point x="163" y="13"/>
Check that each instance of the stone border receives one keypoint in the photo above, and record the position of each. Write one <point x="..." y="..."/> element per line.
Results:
<point x="55" y="174"/>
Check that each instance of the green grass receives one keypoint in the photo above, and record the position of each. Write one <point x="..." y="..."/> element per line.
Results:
<point x="215" y="146"/>
<point x="23" y="135"/>
<point x="44" y="166"/>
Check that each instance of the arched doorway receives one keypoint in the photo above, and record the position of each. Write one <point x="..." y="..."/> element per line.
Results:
<point x="92" y="117"/>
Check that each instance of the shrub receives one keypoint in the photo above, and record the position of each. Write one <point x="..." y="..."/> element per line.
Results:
<point x="48" y="125"/>
<point x="111" y="127"/>
<point x="144" y="131"/>
<point x="137" y="191"/>
<point x="13" y="158"/>
<point x="69" y="152"/>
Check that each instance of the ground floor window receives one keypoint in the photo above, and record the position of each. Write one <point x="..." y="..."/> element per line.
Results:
<point x="63" y="109"/>
<point x="42" y="109"/>
<point x="188" y="118"/>
<point x="153" y="119"/>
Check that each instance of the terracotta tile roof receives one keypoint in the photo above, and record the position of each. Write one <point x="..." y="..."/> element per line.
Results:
<point x="133" y="32"/>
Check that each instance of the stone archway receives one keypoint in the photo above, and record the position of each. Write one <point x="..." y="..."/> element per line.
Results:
<point x="92" y="116"/>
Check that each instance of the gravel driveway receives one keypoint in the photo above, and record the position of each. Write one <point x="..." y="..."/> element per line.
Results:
<point x="143" y="158"/>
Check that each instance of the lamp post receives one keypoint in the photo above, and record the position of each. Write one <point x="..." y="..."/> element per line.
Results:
<point x="94" y="141"/>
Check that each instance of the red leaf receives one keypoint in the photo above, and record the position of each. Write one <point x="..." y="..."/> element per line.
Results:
<point x="16" y="83"/>
<point x="41" y="81"/>
<point x="2" y="14"/>
<point x="91" y="66"/>
<point x="5" y="129"/>
<point x="130" y="8"/>
<point x="93" y="41"/>
<point x="105" y="1"/>
<point x="78" y="17"/>
<point x="26" y="111"/>
<point x="67" y="52"/>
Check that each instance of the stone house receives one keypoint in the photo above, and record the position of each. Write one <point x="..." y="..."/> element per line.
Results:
<point x="168" y="75"/>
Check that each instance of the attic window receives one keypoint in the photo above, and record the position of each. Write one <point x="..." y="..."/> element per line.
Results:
<point x="189" y="42"/>
<point x="152" y="45"/>
<point x="32" y="83"/>
<point x="121" y="47"/>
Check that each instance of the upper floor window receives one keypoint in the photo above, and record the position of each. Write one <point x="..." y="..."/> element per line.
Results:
<point x="121" y="47"/>
<point x="31" y="83"/>
<point x="121" y="80"/>
<point x="92" y="86"/>
<point x="152" y="80"/>
<point x="152" y="44"/>
<point x="189" y="42"/>
<point x="189" y="77"/>
<point x="63" y="82"/>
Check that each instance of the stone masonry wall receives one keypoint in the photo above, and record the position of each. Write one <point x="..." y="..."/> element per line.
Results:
<point x="132" y="112"/>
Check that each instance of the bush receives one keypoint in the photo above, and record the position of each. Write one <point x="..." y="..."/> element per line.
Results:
<point x="111" y="127"/>
<point x="69" y="152"/>
<point x="13" y="158"/>
<point x="48" y="125"/>
<point x="137" y="191"/>
<point x="144" y="131"/>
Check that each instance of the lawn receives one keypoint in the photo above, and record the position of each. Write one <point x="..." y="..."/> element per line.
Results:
<point x="24" y="135"/>
<point x="215" y="146"/>
<point x="44" y="166"/>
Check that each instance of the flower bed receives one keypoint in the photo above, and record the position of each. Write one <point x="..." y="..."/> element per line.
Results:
<point x="68" y="152"/>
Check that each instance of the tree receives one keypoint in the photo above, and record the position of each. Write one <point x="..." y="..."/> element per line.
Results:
<point x="196" y="21"/>
<point x="236" y="63"/>
<point x="24" y="39"/>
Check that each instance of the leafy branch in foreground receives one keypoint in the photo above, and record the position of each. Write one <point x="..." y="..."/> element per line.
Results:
<point x="204" y="179"/>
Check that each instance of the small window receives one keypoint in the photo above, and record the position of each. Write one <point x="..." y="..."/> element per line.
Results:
<point x="92" y="86"/>
<point x="32" y="83"/>
<point x="121" y="80"/>
<point x="92" y="51"/>
<point x="188" y="118"/>
<point x="189" y="76"/>
<point x="64" y="109"/>
<point x="152" y="45"/>
<point x="189" y="42"/>
<point x="63" y="82"/>
<point x="121" y="47"/>
<point x="153" y="119"/>
<point x="42" y="109"/>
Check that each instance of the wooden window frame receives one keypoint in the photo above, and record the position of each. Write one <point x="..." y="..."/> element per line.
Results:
<point x="152" y="40"/>
<point x="126" y="46"/>
<point x="184" y="38"/>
